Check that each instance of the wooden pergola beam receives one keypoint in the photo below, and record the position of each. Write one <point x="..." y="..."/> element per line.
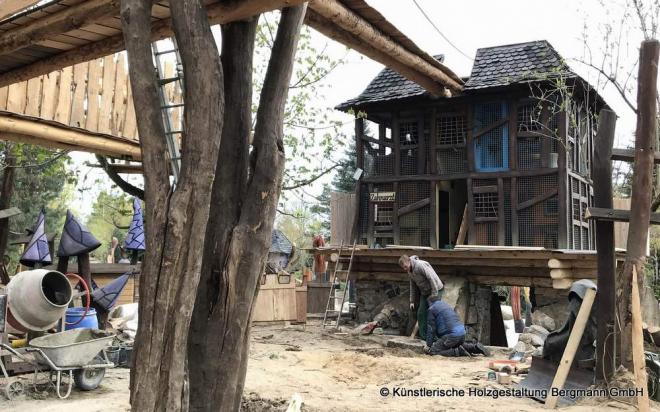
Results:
<point x="34" y="132"/>
<point x="218" y="13"/>
<point x="363" y="30"/>
<point x="324" y="26"/>
<point x="71" y="18"/>
<point x="628" y="155"/>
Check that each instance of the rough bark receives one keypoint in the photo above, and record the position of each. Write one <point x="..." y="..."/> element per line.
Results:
<point x="175" y="220"/>
<point x="640" y="213"/>
<point x="245" y="196"/>
<point x="6" y="192"/>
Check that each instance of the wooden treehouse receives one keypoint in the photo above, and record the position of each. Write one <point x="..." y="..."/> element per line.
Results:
<point x="508" y="159"/>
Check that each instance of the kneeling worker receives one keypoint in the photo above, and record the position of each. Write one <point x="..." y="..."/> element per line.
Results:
<point x="445" y="333"/>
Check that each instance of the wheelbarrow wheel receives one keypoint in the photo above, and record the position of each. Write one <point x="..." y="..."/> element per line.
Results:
<point x="14" y="389"/>
<point x="88" y="379"/>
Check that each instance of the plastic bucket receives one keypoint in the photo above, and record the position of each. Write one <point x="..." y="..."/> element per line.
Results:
<point x="90" y="321"/>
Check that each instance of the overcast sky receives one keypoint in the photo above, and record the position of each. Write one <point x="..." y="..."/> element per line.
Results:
<point x="469" y="25"/>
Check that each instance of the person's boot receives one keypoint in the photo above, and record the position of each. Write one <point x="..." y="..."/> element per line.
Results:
<point x="482" y="349"/>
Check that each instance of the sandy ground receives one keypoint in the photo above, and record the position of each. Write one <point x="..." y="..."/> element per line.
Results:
<point x="331" y="373"/>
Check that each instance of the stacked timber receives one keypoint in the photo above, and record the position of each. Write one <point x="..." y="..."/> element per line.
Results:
<point x="506" y="266"/>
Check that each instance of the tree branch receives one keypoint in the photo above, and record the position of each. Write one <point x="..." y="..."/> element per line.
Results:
<point x="121" y="183"/>
<point x="312" y="179"/>
<point x="614" y="83"/>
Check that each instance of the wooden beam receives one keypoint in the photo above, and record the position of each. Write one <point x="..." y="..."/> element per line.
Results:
<point x="639" y="364"/>
<point x="68" y="19"/>
<point x="7" y="213"/>
<point x="325" y="27"/>
<point x="10" y="7"/>
<point x="413" y="206"/>
<point x="462" y="230"/>
<point x="628" y="155"/>
<point x="606" y="302"/>
<point x="357" y="26"/>
<point x="490" y="127"/>
<point x="615" y="215"/>
<point x="13" y="128"/>
<point x="218" y="13"/>
<point x="571" y="347"/>
<point x="537" y="199"/>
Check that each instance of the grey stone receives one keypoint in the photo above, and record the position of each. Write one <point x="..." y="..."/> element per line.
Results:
<point x="531" y="338"/>
<point x="537" y="330"/>
<point x="405" y="342"/>
<point x="541" y="319"/>
<point x="538" y="352"/>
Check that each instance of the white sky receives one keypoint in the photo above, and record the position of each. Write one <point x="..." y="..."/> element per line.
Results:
<point x="469" y="24"/>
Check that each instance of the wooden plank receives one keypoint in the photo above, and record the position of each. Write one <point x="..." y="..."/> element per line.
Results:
<point x="615" y="215"/>
<point x="515" y="237"/>
<point x="628" y="155"/>
<point x="513" y="135"/>
<point x="11" y="7"/>
<point x="568" y="264"/>
<point x="4" y="93"/>
<point x="485" y="189"/>
<point x="107" y="94"/>
<point x="562" y="180"/>
<point x="470" y="206"/>
<point x="130" y="122"/>
<point x="17" y="97"/>
<point x="33" y="97"/>
<point x="63" y="110"/>
<point x="396" y="228"/>
<point x="537" y="199"/>
<point x="7" y="213"/>
<point x="490" y="127"/>
<point x="462" y="230"/>
<point x="433" y="219"/>
<point x="93" y="94"/>
<point x="432" y="142"/>
<point x="571" y="347"/>
<point x="50" y="94"/>
<point x="119" y="102"/>
<point x="80" y="72"/>
<point x="413" y="206"/>
<point x="639" y="364"/>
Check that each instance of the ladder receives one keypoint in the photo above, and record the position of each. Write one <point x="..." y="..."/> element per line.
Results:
<point x="172" y="131"/>
<point x="340" y="274"/>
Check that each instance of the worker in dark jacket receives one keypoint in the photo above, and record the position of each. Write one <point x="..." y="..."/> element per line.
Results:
<point x="424" y="282"/>
<point x="445" y="333"/>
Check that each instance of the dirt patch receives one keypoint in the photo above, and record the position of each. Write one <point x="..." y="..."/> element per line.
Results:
<point x="363" y="368"/>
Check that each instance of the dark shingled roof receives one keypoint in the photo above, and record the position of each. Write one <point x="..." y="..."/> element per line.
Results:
<point x="504" y="65"/>
<point x="493" y="67"/>
<point x="280" y="243"/>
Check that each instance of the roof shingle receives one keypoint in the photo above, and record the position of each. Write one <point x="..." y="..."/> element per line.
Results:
<point x="493" y="67"/>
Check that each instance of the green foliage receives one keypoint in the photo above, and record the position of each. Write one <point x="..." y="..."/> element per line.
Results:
<point x="41" y="180"/>
<point x="343" y="180"/>
<point x="111" y="215"/>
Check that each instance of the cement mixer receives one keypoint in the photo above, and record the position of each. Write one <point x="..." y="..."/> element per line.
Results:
<point x="37" y="299"/>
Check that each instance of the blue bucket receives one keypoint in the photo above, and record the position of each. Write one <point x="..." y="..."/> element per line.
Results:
<point x="74" y="314"/>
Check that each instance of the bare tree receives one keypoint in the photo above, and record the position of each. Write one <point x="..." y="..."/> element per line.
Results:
<point x="185" y="242"/>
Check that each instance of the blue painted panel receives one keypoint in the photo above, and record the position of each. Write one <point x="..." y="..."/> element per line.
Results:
<point x="491" y="150"/>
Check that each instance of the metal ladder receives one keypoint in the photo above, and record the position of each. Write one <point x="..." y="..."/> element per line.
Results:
<point x="171" y="133"/>
<point x="329" y="315"/>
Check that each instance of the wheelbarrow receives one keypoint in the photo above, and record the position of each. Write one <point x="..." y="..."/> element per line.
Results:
<point x="80" y="353"/>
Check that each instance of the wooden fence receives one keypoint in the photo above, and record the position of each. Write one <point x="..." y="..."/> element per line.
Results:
<point x="95" y="95"/>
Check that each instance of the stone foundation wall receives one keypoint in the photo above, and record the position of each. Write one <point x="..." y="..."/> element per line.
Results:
<point x="471" y="302"/>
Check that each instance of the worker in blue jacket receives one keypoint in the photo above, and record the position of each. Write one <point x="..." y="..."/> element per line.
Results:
<point x="445" y="333"/>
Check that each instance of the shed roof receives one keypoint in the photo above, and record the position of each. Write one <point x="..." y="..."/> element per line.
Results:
<point x="493" y="67"/>
<point x="280" y="243"/>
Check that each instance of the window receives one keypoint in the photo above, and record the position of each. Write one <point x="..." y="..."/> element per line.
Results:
<point x="491" y="148"/>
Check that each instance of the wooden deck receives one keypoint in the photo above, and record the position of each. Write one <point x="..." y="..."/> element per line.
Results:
<point x="506" y="266"/>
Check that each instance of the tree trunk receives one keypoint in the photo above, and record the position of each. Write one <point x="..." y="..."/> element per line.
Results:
<point x="245" y="197"/>
<point x="175" y="219"/>
<point x="6" y="192"/>
<point x="640" y="212"/>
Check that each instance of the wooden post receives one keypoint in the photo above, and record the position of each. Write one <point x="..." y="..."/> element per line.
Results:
<point x="571" y="346"/>
<point x="359" y="148"/>
<point x="638" y="347"/>
<point x="640" y="212"/>
<point x="565" y="218"/>
<point x="602" y="177"/>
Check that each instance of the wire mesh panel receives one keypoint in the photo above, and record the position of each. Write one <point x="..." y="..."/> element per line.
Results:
<point x="414" y="227"/>
<point x="491" y="148"/>
<point x="538" y="224"/>
<point x="485" y="204"/>
<point x="529" y="153"/>
<point x="486" y="233"/>
<point x="450" y="129"/>
<point x="532" y="186"/>
<point x="408" y="140"/>
<point x="529" y="117"/>
<point x="452" y="160"/>
<point x="378" y="159"/>
<point x="363" y="220"/>
<point x="508" y="240"/>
